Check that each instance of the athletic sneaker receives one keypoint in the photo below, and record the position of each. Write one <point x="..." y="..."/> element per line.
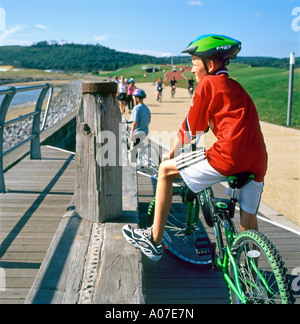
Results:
<point x="142" y="239"/>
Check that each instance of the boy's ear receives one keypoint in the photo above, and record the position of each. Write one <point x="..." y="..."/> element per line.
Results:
<point x="213" y="66"/>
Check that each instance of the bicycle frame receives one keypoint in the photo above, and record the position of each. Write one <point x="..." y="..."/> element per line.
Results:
<point x="222" y="221"/>
<point x="222" y="262"/>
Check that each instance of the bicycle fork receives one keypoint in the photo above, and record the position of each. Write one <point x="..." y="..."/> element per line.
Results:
<point x="227" y="259"/>
<point x="227" y="256"/>
<point x="234" y="285"/>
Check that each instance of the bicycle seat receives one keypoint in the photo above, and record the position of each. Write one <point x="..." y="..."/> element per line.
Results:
<point x="239" y="180"/>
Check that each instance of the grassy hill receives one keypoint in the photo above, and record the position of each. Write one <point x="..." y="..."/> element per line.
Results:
<point x="70" y="57"/>
<point x="92" y="58"/>
<point x="268" y="87"/>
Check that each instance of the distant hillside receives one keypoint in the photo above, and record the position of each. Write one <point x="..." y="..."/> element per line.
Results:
<point x="70" y="57"/>
<point x="90" y="58"/>
<point x="252" y="61"/>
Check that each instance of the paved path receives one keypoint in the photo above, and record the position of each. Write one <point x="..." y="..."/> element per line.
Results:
<point x="178" y="74"/>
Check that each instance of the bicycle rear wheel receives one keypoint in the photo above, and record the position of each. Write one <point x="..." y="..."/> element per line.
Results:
<point x="148" y="160"/>
<point x="186" y="239"/>
<point x="261" y="272"/>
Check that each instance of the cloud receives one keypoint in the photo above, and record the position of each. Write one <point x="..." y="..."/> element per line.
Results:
<point x="146" y="52"/>
<point x="5" y="36"/>
<point x="101" y="38"/>
<point x="41" y="26"/>
<point x="167" y="54"/>
<point x="195" y="3"/>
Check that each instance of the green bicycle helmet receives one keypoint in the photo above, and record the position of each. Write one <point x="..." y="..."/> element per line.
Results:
<point x="214" y="46"/>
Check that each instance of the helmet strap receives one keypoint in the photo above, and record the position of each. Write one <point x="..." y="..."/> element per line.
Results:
<point x="205" y="66"/>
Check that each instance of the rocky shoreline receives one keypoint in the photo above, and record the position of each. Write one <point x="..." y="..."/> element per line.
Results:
<point x="63" y="103"/>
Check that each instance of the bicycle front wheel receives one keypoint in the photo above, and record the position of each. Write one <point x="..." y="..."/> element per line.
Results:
<point x="260" y="271"/>
<point x="184" y="237"/>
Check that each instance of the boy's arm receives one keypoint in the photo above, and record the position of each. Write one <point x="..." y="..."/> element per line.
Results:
<point x="174" y="150"/>
<point x="197" y="119"/>
<point x="133" y="127"/>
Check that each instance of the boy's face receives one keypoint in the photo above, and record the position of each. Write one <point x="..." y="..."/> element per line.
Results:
<point x="136" y="100"/>
<point x="198" y="68"/>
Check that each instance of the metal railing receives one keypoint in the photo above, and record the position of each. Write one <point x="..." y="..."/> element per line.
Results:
<point x="36" y="130"/>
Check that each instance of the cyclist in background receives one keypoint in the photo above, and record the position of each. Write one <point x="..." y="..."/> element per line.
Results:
<point x="173" y="84"/>
<point x="191" y="86"/>
<point x="223" y="105"/>
<point x="159" y="88"/>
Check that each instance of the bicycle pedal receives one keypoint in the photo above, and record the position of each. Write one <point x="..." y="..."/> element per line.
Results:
<point x="204" y="246"/>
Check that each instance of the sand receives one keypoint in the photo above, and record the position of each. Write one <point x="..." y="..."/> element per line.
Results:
<point x="23" y="110"/>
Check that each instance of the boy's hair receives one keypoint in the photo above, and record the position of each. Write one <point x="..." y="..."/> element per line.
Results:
<point x="222" y="61"/>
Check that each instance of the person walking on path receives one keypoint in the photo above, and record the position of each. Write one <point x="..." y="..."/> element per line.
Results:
<point x="122" y="94"/>
<point x="130" y="90"/>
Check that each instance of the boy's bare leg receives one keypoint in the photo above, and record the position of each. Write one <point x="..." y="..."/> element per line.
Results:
<point x="248" y="221"/>
<point x="168" y="172"/>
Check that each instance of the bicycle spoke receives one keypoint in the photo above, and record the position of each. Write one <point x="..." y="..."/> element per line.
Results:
<point x="260" y="270"/>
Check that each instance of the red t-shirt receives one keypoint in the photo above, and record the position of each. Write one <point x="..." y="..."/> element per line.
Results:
<point x="224" y="105"/>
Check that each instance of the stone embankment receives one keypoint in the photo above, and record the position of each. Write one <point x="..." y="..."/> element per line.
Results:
<point x="63" y="103"/>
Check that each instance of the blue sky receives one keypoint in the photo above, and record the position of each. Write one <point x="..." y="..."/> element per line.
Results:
<point x="155" y="27"/>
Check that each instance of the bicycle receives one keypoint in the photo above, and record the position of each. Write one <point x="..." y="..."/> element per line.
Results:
<point x="173" y="91"/>
<point x="250" y="263"/>
<point x="159" y="94"/>
<point x="143" y="154"/>
<point x="191" y="91"/>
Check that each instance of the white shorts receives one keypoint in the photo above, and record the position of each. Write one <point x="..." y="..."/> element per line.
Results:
<point x="198" y="174"/>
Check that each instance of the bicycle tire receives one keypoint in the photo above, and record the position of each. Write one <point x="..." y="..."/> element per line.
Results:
<point x="206" y="206"/>
<point x="271" y="285"/>
<point x="178" y="239"/>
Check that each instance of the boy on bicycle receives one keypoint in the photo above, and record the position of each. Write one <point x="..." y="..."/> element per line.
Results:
<point x="173" y="85"/>
<point x="221" y="104"/>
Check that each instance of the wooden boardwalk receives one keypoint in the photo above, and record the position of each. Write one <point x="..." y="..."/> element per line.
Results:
<point x="171" y="281"/>
<point x="39" y="193"/>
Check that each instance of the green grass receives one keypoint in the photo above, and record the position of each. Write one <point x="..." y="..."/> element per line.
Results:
<point x="268" y="87"/>
<point x="138" y="74"/>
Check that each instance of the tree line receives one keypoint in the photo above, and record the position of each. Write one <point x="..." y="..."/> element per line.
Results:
<point x="70" y="57"/>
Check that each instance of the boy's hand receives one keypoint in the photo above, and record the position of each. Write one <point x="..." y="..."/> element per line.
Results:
<point x="166" y="156"/>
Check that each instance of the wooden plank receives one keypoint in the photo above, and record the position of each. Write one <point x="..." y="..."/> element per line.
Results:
<point x="60" y="276"/>
<point x="30" y="212"/>
<point x="120" y="277"/>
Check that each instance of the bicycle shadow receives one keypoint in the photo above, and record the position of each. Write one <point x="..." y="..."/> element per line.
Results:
<point x="174" y="281"/>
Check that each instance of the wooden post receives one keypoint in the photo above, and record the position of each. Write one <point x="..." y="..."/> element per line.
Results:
<point x="98" y="172"/>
